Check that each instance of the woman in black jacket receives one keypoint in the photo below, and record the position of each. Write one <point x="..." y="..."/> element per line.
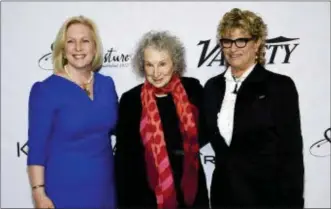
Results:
<point x="253" y="121"/>
<point x="157" y="141"/>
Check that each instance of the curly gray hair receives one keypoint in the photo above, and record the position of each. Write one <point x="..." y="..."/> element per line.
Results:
<point x="160" y="40"/>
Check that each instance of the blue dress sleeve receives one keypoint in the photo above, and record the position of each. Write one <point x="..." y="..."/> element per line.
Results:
<point x="114" y="101"/>
<point x="40" y="123"/>
<point x="114" y="109"/>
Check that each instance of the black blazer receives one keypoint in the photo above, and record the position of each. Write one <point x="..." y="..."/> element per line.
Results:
<point x="263" y="166"/>
<point x="133" y="190"/>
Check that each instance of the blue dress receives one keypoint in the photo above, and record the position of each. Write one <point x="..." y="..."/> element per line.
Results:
<point x="69" y="135"/>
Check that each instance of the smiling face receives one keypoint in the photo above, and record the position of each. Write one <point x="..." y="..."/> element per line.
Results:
<point x="240" y="58"/>
<point x="158" y="67"/>
<point x="79" y="47"/>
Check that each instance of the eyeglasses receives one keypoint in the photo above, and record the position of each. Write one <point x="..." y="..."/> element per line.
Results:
<point x="240" y="42"/>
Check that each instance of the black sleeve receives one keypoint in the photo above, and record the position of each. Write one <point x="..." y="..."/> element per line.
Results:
<point x="207" y="107"/>
<point x="203" y="138"/>
<point x="195" y="93"/>
<point x="291" y="166"/>
<point x="123" y="155"/>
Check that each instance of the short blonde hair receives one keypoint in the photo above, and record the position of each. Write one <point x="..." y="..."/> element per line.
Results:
<point x="58" y="46"/>
<point x="248" y="22"/>
<point x="160" y="40"/>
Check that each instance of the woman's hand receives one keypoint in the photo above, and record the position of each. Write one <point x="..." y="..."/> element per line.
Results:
<point x="41" y="200"/>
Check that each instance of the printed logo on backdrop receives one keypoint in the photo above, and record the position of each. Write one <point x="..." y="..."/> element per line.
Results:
<point x="278" y="50"/>
<point x="21" y="149"/>
<point x="321" y="148"/>
<point x="112" y="58"/>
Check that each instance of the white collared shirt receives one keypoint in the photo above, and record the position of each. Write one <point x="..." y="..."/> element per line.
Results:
<point x="225" y="116"/>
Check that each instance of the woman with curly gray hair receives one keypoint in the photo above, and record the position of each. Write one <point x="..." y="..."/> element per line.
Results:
<point x="157" y="150"/>
<point x="253" y="121"/>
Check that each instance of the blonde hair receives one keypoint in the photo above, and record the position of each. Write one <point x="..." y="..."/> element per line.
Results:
<point x="248" y="22"/>
<point x="58" y="46"/>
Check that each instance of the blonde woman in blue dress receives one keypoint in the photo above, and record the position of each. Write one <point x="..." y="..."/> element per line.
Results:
<point x="71" y="114"/>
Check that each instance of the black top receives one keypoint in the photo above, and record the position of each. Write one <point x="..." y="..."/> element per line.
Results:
<point x="133" y="189"/>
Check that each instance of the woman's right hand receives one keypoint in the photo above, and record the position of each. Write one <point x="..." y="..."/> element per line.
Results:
<point x="41" y="200"/>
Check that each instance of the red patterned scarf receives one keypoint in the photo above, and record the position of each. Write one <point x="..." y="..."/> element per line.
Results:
<point x="157" y="161"/>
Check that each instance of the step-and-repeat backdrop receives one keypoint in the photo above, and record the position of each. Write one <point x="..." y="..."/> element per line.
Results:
<point x="298" y="46"/>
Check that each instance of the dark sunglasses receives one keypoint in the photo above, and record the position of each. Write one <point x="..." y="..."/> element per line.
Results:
<point x="239" y="42"/>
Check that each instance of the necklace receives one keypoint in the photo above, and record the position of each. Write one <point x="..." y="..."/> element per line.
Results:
<point x="84" y="85"/>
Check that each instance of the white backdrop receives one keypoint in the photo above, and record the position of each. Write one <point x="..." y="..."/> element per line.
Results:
<point x="28" y="29"/>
